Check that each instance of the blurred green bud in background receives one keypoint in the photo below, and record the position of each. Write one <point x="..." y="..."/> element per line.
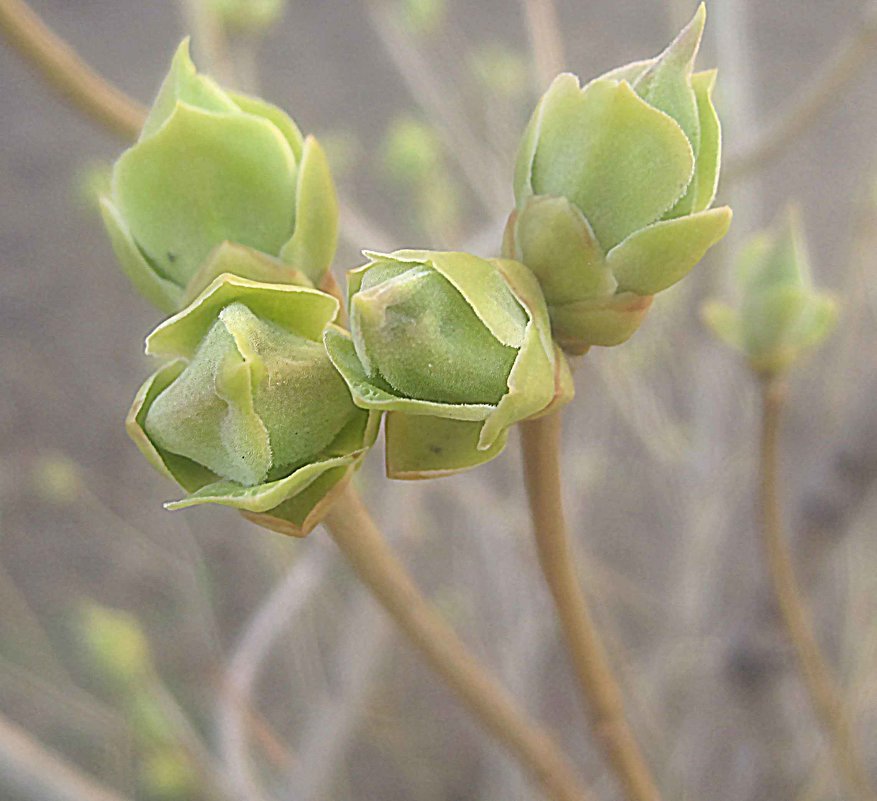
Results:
<point x="412" y="149"/>
<point x="57" y="478"/>
<point x="166" y="773"/>
<point x="115" y="644"/>
<point x="247" y="16"/>
<point x="500" y="69"/>
<point x="456" y="348"/>
<point x="613" y="185"/>
<point x="212" y="167"/>
<point x="249" y="411"/>
<point x="780" y="315"/>
<point x="422" y="17"/>
<point x="414" y="158"/>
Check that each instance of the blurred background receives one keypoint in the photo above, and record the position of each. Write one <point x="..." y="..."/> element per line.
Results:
<point x="189" y="655"/>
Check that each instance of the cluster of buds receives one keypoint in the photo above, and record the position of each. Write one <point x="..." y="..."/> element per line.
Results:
<point x="780" y="315"/>
<point x="225" y="217"/>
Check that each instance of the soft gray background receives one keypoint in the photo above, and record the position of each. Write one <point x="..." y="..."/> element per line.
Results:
<point x="659" y="452"/>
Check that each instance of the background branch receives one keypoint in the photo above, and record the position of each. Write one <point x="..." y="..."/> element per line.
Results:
<point x="68" y="73"/>
<point x="42" y="775"/>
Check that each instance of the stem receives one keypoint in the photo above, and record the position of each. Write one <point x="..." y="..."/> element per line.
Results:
<point x="67" y="72"/>
<point x="824" y="694"/>
<point x="356" y="534"/>
<point x="540" y="441"/>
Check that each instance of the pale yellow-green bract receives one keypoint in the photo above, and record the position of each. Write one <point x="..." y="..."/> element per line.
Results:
<point x="248" y="411"/>
<point x="214" y="169"/>
<point x="780" y="314"/>
<point x="613" y="187"/>
<point x="455" y="348"/>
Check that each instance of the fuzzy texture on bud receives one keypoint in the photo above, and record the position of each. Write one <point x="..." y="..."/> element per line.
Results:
<point x="780" y="314"/>
<point x="250" y="412"/>
<point x="213" y="168"/>
<point x="613" y="187"/>
<point x="455" y="348"/>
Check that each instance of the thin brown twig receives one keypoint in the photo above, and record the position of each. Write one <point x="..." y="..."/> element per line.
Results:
<point x="540" y="440"/>
<point x="842" y="66"/>
<point x="546" y="41"/>
<point x="67" y="72"/>
<point x="355" y="533"/>
<point x="825" y="696"/>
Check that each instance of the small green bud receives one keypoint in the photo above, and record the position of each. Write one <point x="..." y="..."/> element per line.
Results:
<point x="116" y="644"/>
<point x="500" y="69"/>
<point x="456" y="348"/>
<point x="422" y="17"/>
<point x="780" y="315"/>
<point x="251" y="413"/>
<point x="57" y="478"/>
<point x="412" y="150"/>
<point x="212" y="167"/>
<point x="247" y="16"/>
<point x="613" y="185"/>
<point x="167" y="773"/>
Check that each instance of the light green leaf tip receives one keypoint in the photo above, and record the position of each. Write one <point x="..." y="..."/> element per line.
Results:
<point x="315" y="239"/>
<point x="622" y="162"/>
<point x="202" y="179"/>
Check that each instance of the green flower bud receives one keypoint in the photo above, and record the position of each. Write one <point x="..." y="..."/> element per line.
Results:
<point x="780" y="314"/>
<point x="613" y="185"/>
<point x="250" y="412"/>
<point x="456" y="348"/>
<point x="212" y="167"/>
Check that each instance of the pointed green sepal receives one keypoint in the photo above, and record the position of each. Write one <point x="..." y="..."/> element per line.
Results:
<point x="555" y="241"/>
<point x="654" y="258"/>
<point x="622" y="162"/>
<point x="604" y="322"/>
<point x="666" y="83"/>
<point x="161" y="292"/>
<point x="312" y="246"/>
<point x="430" y="447"/>
<point x="243" y="262"/>
<point x="184" y="84"/>
<point x="204" y="178"/>
<point x="705" y="183"/>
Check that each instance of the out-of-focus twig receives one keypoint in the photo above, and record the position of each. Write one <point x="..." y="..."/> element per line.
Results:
<point x="840" y="68"/>
<point x="209" y="40"/>
<point x="356" y="535"/>
<point x="325" y="736"/>
<point x="477" y="163"/>
<point x="307" y="574"/>
<point x="67" y="72"/>
<point x="825" y="696"/>
<point x="42" y="775"/>
<point x="359" y="231"/>
<point x="546" y="41"/>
